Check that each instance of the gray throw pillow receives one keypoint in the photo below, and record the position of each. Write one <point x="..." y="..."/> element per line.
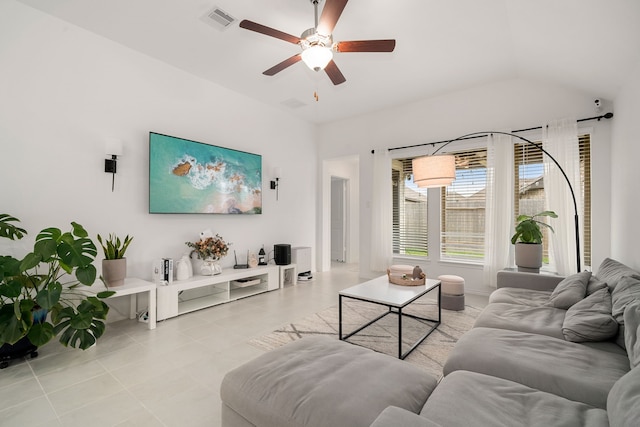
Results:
<point x="627" y="291"/>
<point x="590" y="319"/>
<point x="623" y="400"/>
<point x="595" y="284"/>
<point x="632" y="332"/>
<point x="569" y="291"/>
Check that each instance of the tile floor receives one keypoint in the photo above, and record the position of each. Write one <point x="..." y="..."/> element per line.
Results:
<point x="166" y="377"/>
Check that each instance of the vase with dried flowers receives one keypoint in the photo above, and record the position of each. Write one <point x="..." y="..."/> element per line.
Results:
<point x="210" y="249"/>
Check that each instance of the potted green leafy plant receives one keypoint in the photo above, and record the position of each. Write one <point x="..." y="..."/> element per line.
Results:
<point x="528" y="241"/>
<point x="48" y="280"/>
<point x="114" y="264"/>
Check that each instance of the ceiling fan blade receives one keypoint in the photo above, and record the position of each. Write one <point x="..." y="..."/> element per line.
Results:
<point x="284" y="64"/>
<point x="268" y="31"/>
<point x="366" y="46"/>
<point x="330" y="15"/>
<point x="334" y="73"/>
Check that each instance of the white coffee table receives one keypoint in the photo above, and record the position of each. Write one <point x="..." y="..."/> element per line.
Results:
<point x="395" y="297"/>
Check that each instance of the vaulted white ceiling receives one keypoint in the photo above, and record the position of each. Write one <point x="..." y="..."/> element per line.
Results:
<point x="442" y="46"/>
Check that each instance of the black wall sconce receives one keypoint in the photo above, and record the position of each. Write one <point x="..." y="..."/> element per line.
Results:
<point x="275" y="183"/>
<point x="113" y="149"/>
<point x="110" y="166"/>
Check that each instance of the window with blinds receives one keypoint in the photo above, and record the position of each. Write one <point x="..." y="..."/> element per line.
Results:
<point x="409" y="211"/>
<point x="529" y="189"/>
<point x="463" y="209"/>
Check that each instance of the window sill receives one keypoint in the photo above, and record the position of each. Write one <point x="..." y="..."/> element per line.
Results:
<point x="411" y="258"/>
<point x="408" y="259"/>
<point x="458" y="262"/>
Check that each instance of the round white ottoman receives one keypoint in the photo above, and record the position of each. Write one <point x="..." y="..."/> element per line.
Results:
<point x="452" y="292"/>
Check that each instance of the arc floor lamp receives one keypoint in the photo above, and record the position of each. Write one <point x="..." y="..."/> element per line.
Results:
<point x="439" y="170"/>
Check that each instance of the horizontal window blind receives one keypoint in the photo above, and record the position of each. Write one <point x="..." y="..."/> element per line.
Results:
<point x="529" y="189"/>
<point x="463" y="208"/>
<point x="585" y="176"/>
<point x="409" y="211"/>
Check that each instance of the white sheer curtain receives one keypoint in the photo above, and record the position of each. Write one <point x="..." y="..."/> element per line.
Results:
<point x="498" y="222"/>
<point x="560" y="139"/>
<point x="381" y="212"/>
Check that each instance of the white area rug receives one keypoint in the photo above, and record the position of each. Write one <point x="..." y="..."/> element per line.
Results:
<point x="382" y="336"/>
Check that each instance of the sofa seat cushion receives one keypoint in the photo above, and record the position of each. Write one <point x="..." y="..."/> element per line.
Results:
<point x="320" y="381"/>
<point x="393" y="416"/>
<point x="574" y="371"/>
<point x="471" y="399"/>
<point x="515" y="317"/>
<point x="520" y="296"/>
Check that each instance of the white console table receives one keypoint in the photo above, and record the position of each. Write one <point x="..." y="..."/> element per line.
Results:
<point x="200" y="292"/>
<point x="132" y="287"/>
<point x="291" y="271"/>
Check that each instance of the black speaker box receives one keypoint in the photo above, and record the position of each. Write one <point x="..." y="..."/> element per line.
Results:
<point x="282" y="254"/>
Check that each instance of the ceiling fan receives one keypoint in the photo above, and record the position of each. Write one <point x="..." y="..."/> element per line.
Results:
<point x="317" y="43"/>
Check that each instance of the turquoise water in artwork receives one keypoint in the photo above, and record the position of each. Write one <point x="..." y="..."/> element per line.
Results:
<point x="192" y="177"/>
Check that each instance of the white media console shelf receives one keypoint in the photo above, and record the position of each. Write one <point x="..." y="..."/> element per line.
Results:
<point x="200" y="292"/>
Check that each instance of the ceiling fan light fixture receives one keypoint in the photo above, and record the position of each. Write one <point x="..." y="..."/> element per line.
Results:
<point x="317" y="57"/>
<point x="317" y="42"/>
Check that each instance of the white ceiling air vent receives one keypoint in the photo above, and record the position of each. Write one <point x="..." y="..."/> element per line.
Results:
<point x="218" y="18"/>
<point x="293" y="103"/>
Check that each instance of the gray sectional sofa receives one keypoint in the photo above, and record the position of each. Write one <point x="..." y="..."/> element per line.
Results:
<point x="546" y="351"/>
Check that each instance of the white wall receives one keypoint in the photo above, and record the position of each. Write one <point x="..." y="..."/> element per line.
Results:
<point x="507" y="105"/>
<point x="63" y="91"/>
<point x="625" y="176"/>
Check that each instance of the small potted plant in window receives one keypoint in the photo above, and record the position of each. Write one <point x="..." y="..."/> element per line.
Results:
<point x="528" y="241"/>
<point x="114" y="264"/>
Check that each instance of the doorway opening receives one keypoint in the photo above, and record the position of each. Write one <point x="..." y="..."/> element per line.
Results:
<point x="339" y="197"/>
<point x="339" y="232"/>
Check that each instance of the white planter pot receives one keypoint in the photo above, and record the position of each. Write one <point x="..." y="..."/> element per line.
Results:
<point x="114" y="271"/>
<point x="528" y="257"/>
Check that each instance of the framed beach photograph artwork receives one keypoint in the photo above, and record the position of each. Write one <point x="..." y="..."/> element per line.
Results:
<point x="192" y="177"/>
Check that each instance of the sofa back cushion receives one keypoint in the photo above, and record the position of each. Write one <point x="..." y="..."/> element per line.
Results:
<point x="569" y="291"/>
<point x="590" y="319"/>
<point x="626" y="292"/>
<point x="632" y="333"/>
<point x="623" y="401"/>
<point x="610" y="271"/>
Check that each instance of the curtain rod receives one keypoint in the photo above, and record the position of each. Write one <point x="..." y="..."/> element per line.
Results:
<point x="433" y="144"/>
